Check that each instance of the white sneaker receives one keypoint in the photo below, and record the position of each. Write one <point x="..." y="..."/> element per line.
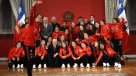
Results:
<point x="13" y="66"/>
<point x="119" y="65"/>
<point x="104" y="64"/>
<point x="108" y="64"/>
<point x="63" y="66"/>
<point x="18" y="66"/>
<point x="75" y="65"/>
<point x="88" y="66"/>
<point x="34" y="66"/>
<point x="81" y="65"/>
<point x="22" y="66"/>
<point x="45" y="66"/>
<point x="68" y="65"/>
<point x="115" y="64"/>
<point x="39" y="66"/>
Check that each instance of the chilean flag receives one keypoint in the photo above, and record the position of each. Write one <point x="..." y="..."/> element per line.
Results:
<point x="20" y="21"/>
<point x="122" y="14"/>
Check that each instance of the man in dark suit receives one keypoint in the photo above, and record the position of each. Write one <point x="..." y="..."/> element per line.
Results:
<point x="92" y="20"/>
<point x="46" y="29"/>
<point x="54" y="23"/>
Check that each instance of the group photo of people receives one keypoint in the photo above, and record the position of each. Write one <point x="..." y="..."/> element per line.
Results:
<point x="43" y="43"/>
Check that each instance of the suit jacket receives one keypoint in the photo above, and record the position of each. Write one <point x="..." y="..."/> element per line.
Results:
<point x="46" y="31"/>
<point x="51" y="50"/>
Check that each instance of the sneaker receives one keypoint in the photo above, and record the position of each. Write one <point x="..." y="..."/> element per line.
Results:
<point x="115" y="64"/>
<point x="68" y="65"/>
<point x="88" y="66"/>
<point x="81" y="65"/>
<point x="18" y="66"/>
<point x="108" y="64"/>
<point x="44" y="66"/>
<point x="22" y="66"/>
<point x="104" y="64"/>
<point x="75" y="65"/>
<point x="39" y="66"/>
<point x="13" y="66"/>
<point x="34" y="66"/>
<point x="119" y="65"/>
<point x="63" y="66"/>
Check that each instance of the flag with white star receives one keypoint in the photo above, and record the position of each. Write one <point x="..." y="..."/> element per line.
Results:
<point x="21" y="13"/>
<point x="122" y="14"/>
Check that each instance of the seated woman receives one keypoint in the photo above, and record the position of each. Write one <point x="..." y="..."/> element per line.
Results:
<point x="78" y="56"/>
<point x="88" y="53"/>
<point x="40" y="55"/>
<point x="105" y="53"/>
<point x="65" y="55"/>
<point x="16" y="57"/>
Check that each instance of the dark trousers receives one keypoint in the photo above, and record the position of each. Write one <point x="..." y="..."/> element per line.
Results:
<point x="30" y="52"/>
<point x="39" y="61"/>
<point x="118" y="46"/>
<point x="15" y="62"/>
<point x="105" y="58"/>
<point x="83" y="60"/>
<point x="67" y="61"/>
<point x="53" y="62"/>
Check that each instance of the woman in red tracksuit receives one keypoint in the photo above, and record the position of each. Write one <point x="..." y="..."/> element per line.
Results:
<point x="68" y="36"/>
<point x="65" y="55"/>
<point x="106" y="53"/>
<point x="87" y="50"/>
<point x="97" y="30"/>
<point x="30" y="38"/>
<point x="40" y="55"/>
<point x="57" y="33"/>
<point x="16" y="56"/>
<point x="105" y="30"/>
<point x="74" y="30"/>
<point x="117" y="28"/>
<point x="79" y="57"/>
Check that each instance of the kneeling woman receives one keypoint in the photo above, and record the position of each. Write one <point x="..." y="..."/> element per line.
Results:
<point x="65" y="55"/>
<point x="16" y="56"/>
<point x="105" y="53"/>
<point x="79" y="57"/>
<point x="40" y="56"/>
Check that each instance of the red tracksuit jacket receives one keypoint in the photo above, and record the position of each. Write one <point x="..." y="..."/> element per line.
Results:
<point x="40" y="51"/>
<point x="87" y="50"/>
<point x="14" y="52"/>
<point x="77" y="51"/>
<point x="117" y="30"/>
<point x="105" y="31"/>
<point x="57" y="35"/>
<point x="22" y="34"/>
<point x="63" y="52"/>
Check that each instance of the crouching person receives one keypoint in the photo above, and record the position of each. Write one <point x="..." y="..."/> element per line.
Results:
<point x="106" y="53"/>
<point x="40" y="56"/>
<point x="16" y="57"/>
<point x="78" y="56"/>
<point x="65" y="55"/>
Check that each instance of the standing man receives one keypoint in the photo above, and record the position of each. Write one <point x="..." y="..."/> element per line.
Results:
<point x="46" y="29"/>
<point x="54" y="23"/>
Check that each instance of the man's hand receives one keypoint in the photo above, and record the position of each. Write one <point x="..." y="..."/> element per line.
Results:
<point x="55" y="55"/>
